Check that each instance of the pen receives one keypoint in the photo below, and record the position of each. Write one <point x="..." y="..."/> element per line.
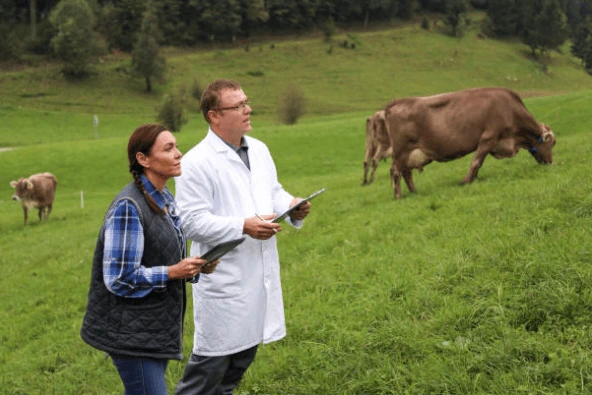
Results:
<point x="260" y="217"/>
<point x="264" y="220"/>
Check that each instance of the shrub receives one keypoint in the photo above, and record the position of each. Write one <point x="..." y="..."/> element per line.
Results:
<point x="292" y="105"/>
<point x="425" y="24"/>
<point x="196" y="90"/>
<point x="171" y="112"/>
<point x="41" y="45"/>
<point x="11" y="47"/>
<point x="256" y="73"/>
<point x="328" y="29"/>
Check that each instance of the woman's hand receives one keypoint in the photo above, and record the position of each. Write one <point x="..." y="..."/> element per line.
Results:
<point x="187" y="268"/>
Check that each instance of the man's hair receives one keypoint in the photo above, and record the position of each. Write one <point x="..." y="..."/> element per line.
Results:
<point x="210" y="98"/>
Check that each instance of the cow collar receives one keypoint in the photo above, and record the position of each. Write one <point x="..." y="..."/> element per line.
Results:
<point x="534" y="149"/>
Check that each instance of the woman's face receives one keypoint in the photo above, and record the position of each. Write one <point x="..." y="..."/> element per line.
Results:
<point x="164" y="159"/>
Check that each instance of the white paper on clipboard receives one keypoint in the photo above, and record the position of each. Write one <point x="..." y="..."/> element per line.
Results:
<point x="283" y="216"/>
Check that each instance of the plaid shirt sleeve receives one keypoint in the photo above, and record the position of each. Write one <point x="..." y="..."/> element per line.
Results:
<point x="124" y="243"/>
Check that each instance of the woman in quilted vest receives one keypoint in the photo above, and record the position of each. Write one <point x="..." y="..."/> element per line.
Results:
<point x="136" y="301"/>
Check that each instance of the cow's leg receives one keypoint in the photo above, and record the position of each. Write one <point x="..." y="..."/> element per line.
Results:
<point x="407" y="176"/>
<point x="41" y="209"/>
<point x="26" y="214"/>
<point x="49" y="207"/>
<point x="365" y="179"/>
<point x="374" y="166"/>
<point x="486" y="143"/>
<point x="375" y="159"/>
<point x="476" y="164"/>
<point x="396" y="180"/>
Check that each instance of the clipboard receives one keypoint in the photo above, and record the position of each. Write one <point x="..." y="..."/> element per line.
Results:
<point x="221" y="249"/>
<point x="283" y="216"/>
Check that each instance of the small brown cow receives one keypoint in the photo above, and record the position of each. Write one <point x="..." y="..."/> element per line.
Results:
<point x="378" y="145"/>
<point x="451" y="125"/>
<point x="36" y="191"/>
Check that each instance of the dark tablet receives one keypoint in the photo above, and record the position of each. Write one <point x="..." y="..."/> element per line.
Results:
<point x="221" y="249"/>
<point x="280" y="218"/>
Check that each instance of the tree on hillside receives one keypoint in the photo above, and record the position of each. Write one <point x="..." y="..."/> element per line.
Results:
<point x="456" y="12"/>
<point x="290" y="15"/>
<point x="582" y="43"/>
<point x="253" y="14"/>
<point x="501" y="15"/>
<point x="33" y="18"/>
<point x="75" y="42"/>
<point x="147" y="62"/>
<point x="543" y="25"/>
<point x="10" y="45"/>
<point x="587" y="57"/>
<point x="120" y="21"/>
<point x="219" y="19"/>
<point x="171" y="20"/>
<point x="378" y="8"/>
<point x="406" y="9"/>
<point x="583" y="31"/>
<point x="553" y="24"/>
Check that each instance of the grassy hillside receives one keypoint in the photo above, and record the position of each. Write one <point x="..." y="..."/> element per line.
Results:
<point x="479" y="289"/>
<point x="385" y="64"/>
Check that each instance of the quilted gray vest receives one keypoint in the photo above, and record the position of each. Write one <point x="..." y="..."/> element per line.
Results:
<point x="151" y="326"/>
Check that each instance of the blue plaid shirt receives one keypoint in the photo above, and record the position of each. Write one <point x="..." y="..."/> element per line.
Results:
<point x="124" y="244"/>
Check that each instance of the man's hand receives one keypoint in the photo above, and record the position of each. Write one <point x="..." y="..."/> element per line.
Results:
<point x="301" y="212"/>
<point x="209" y="267"/>
<point x="261" y="229"/>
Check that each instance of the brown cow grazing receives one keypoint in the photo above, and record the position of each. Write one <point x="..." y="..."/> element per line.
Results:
<point x="36" y="191"/>
<point x="378" y="144"/>
<point x="451" y="125"/>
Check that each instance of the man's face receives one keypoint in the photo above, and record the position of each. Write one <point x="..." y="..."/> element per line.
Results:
<point x="233" y="117"/>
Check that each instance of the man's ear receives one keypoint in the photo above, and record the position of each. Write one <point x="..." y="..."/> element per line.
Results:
<point x="142" y="159"/>
<point x="214" y="116"/>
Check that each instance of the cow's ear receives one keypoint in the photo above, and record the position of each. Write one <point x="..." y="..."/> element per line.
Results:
<point x="28" y="184"/>
<point x="13" y="184"/>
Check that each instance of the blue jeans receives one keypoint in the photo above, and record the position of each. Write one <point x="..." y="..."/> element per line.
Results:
<point x="141" y="376"/>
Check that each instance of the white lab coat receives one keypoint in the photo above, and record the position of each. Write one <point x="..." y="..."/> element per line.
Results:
<point x="240" y="304"/>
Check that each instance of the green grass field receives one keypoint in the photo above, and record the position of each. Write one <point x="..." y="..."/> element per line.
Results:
<point x="477" y="289"/>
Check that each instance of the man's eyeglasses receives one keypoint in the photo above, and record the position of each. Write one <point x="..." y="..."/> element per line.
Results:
<point x="240" y="106"/>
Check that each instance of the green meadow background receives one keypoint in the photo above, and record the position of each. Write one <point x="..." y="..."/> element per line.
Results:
<point x="476" y="289"/>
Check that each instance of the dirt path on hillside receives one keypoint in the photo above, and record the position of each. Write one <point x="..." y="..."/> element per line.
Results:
<point x="528" y="94"/>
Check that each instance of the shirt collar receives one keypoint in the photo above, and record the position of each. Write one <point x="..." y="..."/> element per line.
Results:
<point x="163" y="198"/>
<point x="243" y="144"/>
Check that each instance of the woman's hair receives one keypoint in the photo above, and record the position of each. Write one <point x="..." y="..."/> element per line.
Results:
<point x="210" y="98"/>
<point x="142" y="140"/>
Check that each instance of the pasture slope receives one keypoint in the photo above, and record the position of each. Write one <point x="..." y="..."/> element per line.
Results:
<point x="479" y="289"/>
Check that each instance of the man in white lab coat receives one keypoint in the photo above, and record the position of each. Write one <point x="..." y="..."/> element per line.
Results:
<point x="229" y="189"/>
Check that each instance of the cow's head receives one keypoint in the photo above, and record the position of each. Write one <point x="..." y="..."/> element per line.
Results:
<point x="541" y="150"/>
<point x="22" y="188"/>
